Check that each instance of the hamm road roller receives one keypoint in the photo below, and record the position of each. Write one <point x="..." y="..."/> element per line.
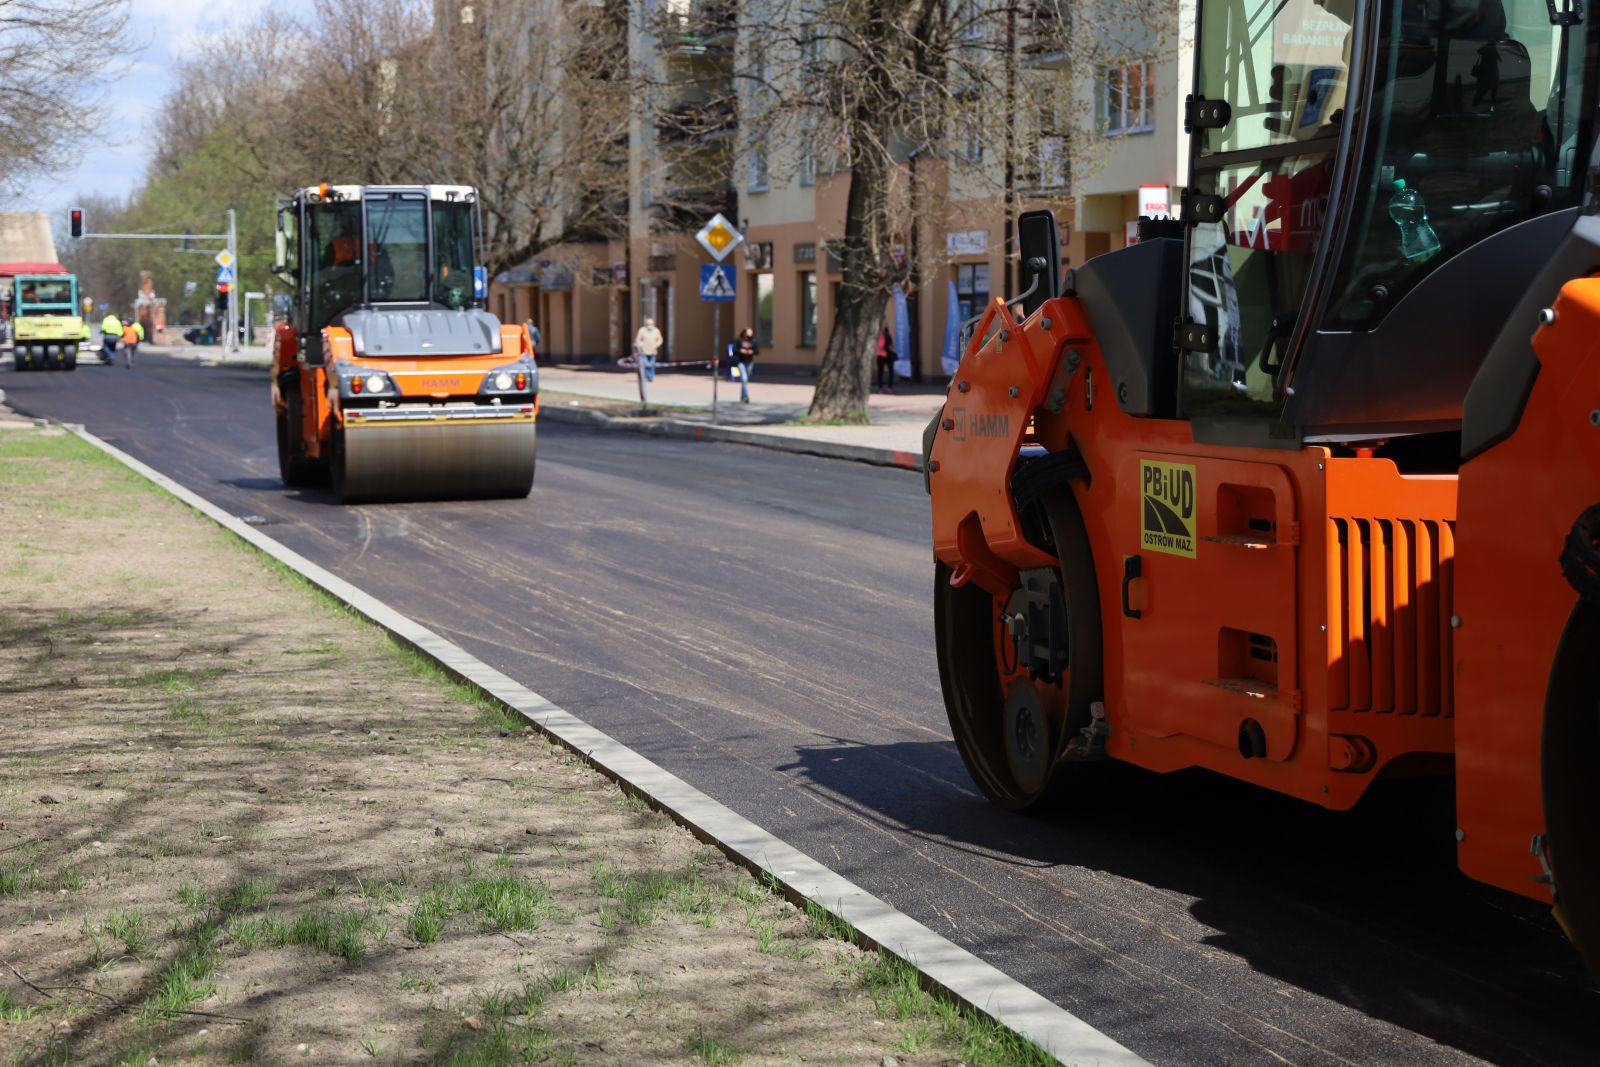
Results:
<point x="391" y="377"/>
<point x="1304" y="486"/>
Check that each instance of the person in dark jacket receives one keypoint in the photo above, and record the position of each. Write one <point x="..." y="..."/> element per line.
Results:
<point x="886" y="360"/>
<point x="745" y="350"/>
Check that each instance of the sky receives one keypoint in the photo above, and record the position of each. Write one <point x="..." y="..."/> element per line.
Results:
<point x="160" y="34"/>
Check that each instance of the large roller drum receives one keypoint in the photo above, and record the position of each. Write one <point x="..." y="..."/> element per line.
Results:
<point x="431" y="460"/>
<point x="1013" y="730"/>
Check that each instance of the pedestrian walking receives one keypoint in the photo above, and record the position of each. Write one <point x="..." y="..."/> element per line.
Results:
<point x="535" y="336"/>
<point x="745" y="351"/>
<point x="886" y="360"/>
<point x="110" y="334"/>
<point x="131" y="333"/>
<point x="646" y="346"/>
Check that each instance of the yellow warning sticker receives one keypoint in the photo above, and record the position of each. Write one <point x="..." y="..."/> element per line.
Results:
<point x="1167" y="497"/>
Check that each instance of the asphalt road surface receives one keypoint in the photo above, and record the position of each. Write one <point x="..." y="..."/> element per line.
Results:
<point x="761" y="625"/>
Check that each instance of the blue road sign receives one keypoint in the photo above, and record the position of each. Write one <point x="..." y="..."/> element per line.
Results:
<point x="224" y="275"/>
<point x="718" y="282"/>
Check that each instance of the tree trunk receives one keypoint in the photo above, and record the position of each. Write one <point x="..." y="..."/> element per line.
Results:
<point x="868" y="281"/>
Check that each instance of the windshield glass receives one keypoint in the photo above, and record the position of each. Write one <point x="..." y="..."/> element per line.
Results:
<point x="1477" y="110"/>
<point x="397" y="238"/>
<point x="53" y="293"/>
<point x="452" y="253"/>
<point x="1282" y="66"/>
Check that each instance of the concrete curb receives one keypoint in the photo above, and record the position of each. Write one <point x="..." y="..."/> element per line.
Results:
<point x="943" y="964"/>
<point x="739" y="435"/>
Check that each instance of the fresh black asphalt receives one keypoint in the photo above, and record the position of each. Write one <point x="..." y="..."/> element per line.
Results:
<point x="760" y="624"/>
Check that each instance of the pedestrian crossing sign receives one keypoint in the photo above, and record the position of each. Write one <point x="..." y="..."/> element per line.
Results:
<point x="717" y="282"/>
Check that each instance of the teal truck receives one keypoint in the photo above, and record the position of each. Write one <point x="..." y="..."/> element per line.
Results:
<point x="46" y="325"/>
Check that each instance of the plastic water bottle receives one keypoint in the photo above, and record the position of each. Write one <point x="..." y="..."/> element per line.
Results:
<point x="1417" y="239"/>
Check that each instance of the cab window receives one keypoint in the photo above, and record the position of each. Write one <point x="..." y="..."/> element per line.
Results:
<point x="453" y="253"/>
<point x="1477" y="110"/>
<point x="1283" y="68"/>
<point x="333" y="244"/>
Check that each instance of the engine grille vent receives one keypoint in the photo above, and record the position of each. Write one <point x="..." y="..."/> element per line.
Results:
<point x="1390" y="596"/>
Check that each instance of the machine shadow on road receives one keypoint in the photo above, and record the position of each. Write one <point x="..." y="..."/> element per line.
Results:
<point x="1364" y="907"/>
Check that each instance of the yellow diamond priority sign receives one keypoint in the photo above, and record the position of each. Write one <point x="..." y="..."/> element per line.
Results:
<point x="719" y="237"/>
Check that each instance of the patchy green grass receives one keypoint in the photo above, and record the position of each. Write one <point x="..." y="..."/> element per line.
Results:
<point x="170" y="679"/>
<point x="492" y="711"/>
<point x="708" y="1050"/>
<point x="15" y="877"/>
<point x="13" y="1010"/>
<point x="130" y="926"/>
<point x="896" y="990"/>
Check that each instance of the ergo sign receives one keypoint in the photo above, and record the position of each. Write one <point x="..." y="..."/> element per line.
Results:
<point x="1155" y="201"/>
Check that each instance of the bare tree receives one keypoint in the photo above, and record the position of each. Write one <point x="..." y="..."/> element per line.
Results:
<point x="50" y="53"/>
<point x="999" y="96"/>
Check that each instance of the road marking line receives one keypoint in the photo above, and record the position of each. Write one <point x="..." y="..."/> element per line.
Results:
<point x="943" y="963"/>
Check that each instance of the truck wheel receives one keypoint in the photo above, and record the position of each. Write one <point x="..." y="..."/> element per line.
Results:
<point x="1011" y="728"/>
<point x="294" y="472"/>
<point x="1571" y="780"/>
<point x="69" y="360"/>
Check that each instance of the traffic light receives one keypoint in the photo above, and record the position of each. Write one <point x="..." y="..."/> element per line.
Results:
<point x="222" y="297"/>
<point x="77" y="222"/>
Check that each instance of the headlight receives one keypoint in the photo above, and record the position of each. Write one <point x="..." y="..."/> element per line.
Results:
<point x="375" y="383"/>
<point x="503" y="380"/>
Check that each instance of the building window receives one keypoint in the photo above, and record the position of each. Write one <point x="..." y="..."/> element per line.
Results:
<point x="758" y="168"/>
<point x="763" y="315"/>
<point x="972" y="288"/>
<point x="972" y="143"/>
<point x="1127" y="99"/>
<point x="969" y="19"/>
<point x="808" y="309"/>
<point x="1052" y="162"/>
<point x="808" y="166"/>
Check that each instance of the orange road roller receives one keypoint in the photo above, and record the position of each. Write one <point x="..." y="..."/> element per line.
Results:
<point x="1303" y="487"/>
<point x="390" y="379"/>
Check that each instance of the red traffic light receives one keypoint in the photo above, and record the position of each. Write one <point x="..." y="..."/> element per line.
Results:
<point x="222" y="287"/>
<point x="77" y="222"/>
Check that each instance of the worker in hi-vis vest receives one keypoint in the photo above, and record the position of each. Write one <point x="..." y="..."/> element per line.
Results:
<point x="110" y="334"/>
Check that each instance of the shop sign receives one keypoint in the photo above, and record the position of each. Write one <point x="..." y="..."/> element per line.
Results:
<point x="805" y="253"/>
<point x="619" y="272"/>
<point x="601" y="277"/>
<point x="1155" y="201"/>
<point x="967" y="243"/>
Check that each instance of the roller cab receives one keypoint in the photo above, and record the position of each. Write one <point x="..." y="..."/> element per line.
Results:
<point x="391" y="379"/>
<point x="1303" y="488"/>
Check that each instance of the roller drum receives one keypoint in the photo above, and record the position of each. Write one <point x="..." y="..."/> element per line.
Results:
<point x="422" y="461"/>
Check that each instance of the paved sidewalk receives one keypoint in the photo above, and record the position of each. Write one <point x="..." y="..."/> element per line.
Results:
<point x="681" y="405"/>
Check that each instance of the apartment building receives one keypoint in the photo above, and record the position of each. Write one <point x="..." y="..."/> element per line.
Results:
<point x="1084" y="143"/>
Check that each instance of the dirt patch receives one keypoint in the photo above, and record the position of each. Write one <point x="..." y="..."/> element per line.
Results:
<point x="238" y="825"/>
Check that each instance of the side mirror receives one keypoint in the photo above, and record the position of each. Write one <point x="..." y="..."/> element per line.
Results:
<point x="1039" y="241"/>
<point x="281" y="237"/>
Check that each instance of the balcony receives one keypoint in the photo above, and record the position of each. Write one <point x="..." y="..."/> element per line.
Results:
<point x="688" y="206"/>
<point x="698" y="27"/>
<point x="697" y="122"/>
<point x="1047" y="169"/>
<point x="1045" y="34"/>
